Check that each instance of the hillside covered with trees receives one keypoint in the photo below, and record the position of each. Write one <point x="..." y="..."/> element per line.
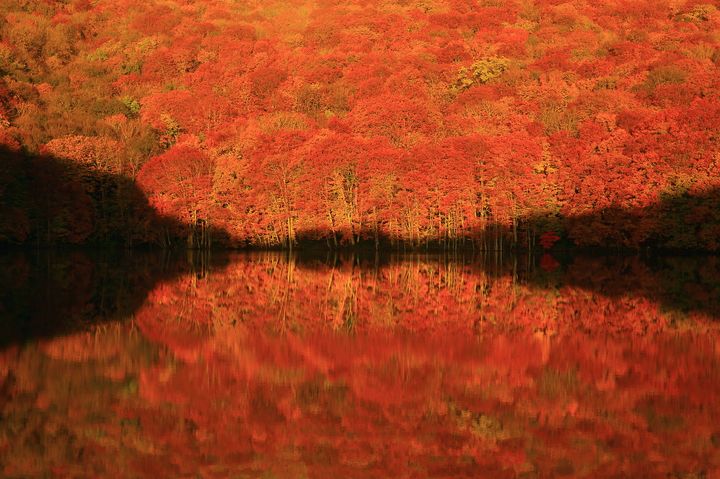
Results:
<point x="267" y="123"/>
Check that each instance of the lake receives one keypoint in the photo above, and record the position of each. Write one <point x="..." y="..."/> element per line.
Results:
<point x="326" y="365"/>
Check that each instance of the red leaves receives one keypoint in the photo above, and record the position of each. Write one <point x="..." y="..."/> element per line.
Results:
<point x="404" y="121"/>
<point x="178" y="182"/>
<point x="197" y="112"/>
<point x="599" y="109"/>
<point x="94" y="153"/>
<point x="177" y="165"/>
<point x="265" y="80"/>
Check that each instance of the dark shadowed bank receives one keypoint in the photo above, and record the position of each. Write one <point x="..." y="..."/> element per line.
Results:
<point x="47" y="201"/>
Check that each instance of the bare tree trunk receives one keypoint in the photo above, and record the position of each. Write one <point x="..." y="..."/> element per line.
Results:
<point x="375" y="229"/>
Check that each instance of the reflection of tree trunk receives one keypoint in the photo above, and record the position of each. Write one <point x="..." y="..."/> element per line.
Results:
<point x="204" y="235"/>
<point x="495" y="237"/>
<point x="286" y="291"/>
<point x="328" y="292"/>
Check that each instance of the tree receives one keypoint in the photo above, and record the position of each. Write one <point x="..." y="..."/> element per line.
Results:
<point x="178" y="184"/>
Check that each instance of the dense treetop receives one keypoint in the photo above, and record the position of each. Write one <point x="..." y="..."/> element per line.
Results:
<point x="427" y="120"/>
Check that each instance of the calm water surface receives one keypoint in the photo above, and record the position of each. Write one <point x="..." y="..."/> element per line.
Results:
<point x="269" y="366"/>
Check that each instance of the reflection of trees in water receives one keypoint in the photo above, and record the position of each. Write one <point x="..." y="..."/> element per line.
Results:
<point x="360" y="366"/>
<point x="428" y="293"/>
<point x="50" y="293"/>
<point x="133" y="403"/>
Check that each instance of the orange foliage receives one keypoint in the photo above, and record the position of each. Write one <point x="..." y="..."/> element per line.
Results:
<point x="597" y="111"/>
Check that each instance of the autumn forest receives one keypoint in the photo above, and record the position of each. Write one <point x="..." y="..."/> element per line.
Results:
<point x="487" y="124"/>
<point x="407" y="239"/>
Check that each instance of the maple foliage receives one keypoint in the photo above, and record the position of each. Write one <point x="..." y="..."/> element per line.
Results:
<point x="440" y="121"/>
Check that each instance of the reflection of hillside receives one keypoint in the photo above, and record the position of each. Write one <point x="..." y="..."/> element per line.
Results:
<point x="129" y="403"/>
<point x="678" y="286"/>
<point x="431" y="294"/>
<point x="45" y="295"/>
<point x="405" y="366"/>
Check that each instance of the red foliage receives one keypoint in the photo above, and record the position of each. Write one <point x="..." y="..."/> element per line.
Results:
<point x="178" y="181"/>
<point x="595" y="120"/>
